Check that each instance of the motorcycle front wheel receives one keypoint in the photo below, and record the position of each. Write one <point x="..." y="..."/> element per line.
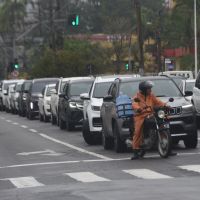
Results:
<point x="164" y="143"/>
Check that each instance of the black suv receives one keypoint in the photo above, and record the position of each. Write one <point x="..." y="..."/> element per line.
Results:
<point x="35" y="91"/>
<point x="115" y="130"/>
<point x="22" y="97"/>
<point x="70" y="105"/>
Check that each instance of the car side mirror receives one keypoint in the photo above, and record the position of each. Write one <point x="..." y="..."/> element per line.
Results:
<point x="188" y="93"/>
<point x="85" y="96"/>
<point x="108" y="98"/>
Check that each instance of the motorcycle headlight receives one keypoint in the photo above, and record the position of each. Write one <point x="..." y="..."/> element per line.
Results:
<point x="24" y="98"/>
<point x="161" y="114"/>
<point x="72" y="104"/>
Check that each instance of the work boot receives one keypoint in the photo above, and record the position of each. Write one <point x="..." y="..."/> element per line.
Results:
<point x="135" y="154"/>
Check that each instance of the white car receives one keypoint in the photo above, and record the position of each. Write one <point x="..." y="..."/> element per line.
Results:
<point x="44" y="103"/>
<point x="3" y="91"/>
<point x="188" y="86"/>
<point x="92" y="124"/>
<point x="8" y="95"/>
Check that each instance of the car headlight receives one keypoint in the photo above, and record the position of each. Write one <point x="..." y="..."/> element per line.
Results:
<point x="72" y="104"/>
<point x="187" y="106"/>
<point x="96" y="108"/>
<point x="161" y="114"/>
<point x="31" y="105"/>
<point x="24" y="98"/>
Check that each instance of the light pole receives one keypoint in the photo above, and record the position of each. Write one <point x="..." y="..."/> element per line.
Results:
<point x="195" y="36"/>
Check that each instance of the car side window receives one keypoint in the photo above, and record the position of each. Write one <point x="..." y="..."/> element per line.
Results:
<point x="197" y="83"/>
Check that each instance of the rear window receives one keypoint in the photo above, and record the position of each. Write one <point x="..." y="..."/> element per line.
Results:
<point x="101" y="89"/>
<point x="80" y="87"/>
<point x="162" y="88"/>
<point x="38" y="86"/>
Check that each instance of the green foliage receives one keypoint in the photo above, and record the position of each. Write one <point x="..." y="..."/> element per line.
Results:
<point x="72" y="60"/>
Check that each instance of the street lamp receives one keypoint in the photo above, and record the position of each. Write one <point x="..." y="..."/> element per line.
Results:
<point x="195" y="36"/>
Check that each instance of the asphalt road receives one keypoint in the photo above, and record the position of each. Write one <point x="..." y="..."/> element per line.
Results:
<point x="41" y="162"/>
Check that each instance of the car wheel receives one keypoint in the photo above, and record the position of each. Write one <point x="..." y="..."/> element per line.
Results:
<point x="69" y="125"/>
<point x="53" y="120"/>
<point x="62" y="124"/>
<point x="106" y="141"/>
<point x="119" y="146"/>
<point x="86" y="133"/>
<point x="191" y="141"/>
<point x="41" y="117"/>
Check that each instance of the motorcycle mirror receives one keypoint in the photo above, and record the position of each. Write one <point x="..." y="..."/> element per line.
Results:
<point x="171" y="99"/>
<point x="137" y="100"/>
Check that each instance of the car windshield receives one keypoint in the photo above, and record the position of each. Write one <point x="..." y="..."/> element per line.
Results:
<point x="78" y="88"/>
<point x="38" y="86"/>
<point x="6" y="85"/>
<point x="162" y="88"/>
<point x="189" y="86"/>
<point x="27" y="85"/>
<point x="48" y="93"/>
<point x="18" y="87"/>
<point x="101" y="89"/>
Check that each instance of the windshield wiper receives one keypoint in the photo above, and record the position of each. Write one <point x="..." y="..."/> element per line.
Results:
<point x="161" y="96"/>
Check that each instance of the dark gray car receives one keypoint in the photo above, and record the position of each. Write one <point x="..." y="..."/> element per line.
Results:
<point x="115" y="130"/>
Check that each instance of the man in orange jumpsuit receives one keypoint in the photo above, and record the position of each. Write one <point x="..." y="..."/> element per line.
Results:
<point x="145" y="98"/>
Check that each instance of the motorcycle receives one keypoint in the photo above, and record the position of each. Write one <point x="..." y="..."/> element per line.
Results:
<point x="156" y="130"/>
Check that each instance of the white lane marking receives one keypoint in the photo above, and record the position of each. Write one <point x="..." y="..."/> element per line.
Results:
<point x="25" y="182"/>
<point x="24" y="126"/>
<point x="36" y="152"/>
<point x="39" y="164"/>
<point x="86" y="177"/>
<point x="15" y="123"/>
<point x="8" y="120"/>
<point x="74" y="147"/>
<point x="194" y="168"/>
<point x="146" y="174"/>
<point x="33" y="130"/>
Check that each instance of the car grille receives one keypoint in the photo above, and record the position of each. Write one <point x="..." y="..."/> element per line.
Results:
<point x="97" y="122"/>
<point x="175" y="111"/>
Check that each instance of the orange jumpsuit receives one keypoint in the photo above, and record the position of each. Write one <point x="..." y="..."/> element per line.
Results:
<point x="151" y="100"/>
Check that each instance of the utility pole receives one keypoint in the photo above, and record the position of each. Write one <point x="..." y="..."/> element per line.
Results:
<point x="195" y="37"/>
<point x="140" y="35"/>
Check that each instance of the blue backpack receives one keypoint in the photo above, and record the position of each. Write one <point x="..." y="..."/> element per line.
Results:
<point x="124" y="106"/>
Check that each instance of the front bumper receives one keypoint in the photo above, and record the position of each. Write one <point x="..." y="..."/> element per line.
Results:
<point x="76" y="117"/>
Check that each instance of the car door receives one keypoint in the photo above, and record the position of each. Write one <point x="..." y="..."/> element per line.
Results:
<point x="196" y="94"/>
<point x="109" y="108"/>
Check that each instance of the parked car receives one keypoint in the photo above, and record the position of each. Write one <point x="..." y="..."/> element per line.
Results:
<point x="196" y="98"/>
<point x="34" y="93"/>
<point x="93" y="100"/>
<point x="15" y="96"/>
<point x="8" y="95"/>
<point x="22" y="97"/>
<point x="44" y="103"/>
<point x="3" y="91"/>
<point x="188" y="87"/>
<point x="55" y="98"/>
<point x="186" y="74"/>
<point x="115" y="131"/>
<point x="70" y="106"/>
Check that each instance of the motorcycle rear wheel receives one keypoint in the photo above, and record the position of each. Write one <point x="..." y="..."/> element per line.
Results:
<point x="164" y="143"/>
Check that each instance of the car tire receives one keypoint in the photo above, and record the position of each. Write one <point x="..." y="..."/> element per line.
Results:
<point x="41" y="117"/>
<point x="62" y="124"/>
<point x="53" y="120"/>
<point x="119" y="146"/>
<point x="69" y="125"/>
<point x="106" y="141"/>
<point x="191" y="141"/>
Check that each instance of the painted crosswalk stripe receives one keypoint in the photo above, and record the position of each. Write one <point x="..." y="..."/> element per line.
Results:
<point x="33" y="130"/>
<point x="25" y="182"/>
<point x="194" y="168"/>
<point x="15" y="123"/>
<point x="24" y="126"/>
<point x="86" y="177"/>
<point x="146" y="174"/>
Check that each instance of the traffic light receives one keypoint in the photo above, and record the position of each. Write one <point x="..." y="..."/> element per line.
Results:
<point x="127" y="66"/>
<point x="16" y="64"/>
<point x="73" y="20"/>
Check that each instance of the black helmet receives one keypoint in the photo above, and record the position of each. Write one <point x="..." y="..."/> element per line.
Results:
<point x="144" y="85"/>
